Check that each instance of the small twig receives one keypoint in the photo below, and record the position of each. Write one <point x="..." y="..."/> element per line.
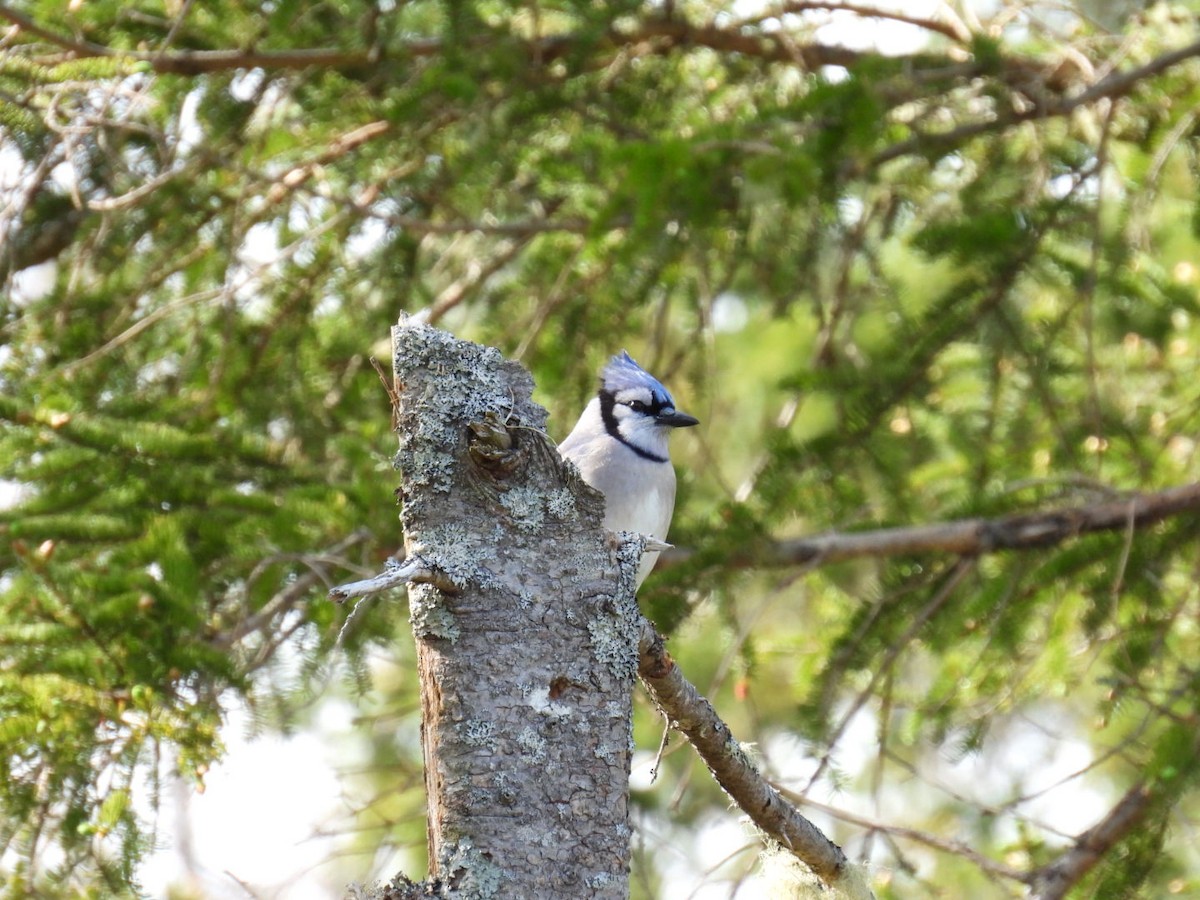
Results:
<point x="243" y="281"/>
<point x="287" y="597"/>
<point x="517" y="228"/>
<point x="349" y="618"/>
<point x="945" y="845"/>
<point x="139" y="193"/>
<point x="884" y="667"/>
<point x="1123" y="562"/>
<point x="662" y="747"/>
<point x="245" y="886"/>
<point x="340" y="146"/>
<point x="388" y="387"/>
<point x="1116" y="85"/>
<point x="26" y="24"/>
<point x="476" y="275"/>
<point x="393" y="575"/>
<point x="948" y="29"/>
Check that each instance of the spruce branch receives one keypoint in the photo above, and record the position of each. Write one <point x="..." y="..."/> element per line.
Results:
<point x="660" y="36"/>
<point x="1112" y="87"/>
<point x="967" y="537"/>
<point x="948" y="27"/>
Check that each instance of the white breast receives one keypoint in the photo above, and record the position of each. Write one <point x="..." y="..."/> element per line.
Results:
<point x="639" y="494"/>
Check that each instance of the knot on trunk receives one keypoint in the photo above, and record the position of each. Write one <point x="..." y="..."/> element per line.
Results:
<point x="494" y="447"/>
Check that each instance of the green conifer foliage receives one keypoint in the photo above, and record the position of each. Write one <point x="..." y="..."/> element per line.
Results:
<point x="952" y="280"/>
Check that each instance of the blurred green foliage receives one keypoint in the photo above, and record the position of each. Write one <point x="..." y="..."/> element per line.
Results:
<point x="908" y="287"/>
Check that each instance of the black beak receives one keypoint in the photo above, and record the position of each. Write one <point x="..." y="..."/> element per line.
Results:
<point x="673" y="419"/>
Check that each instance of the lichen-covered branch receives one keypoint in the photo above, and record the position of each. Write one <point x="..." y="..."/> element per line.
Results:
<point x="695" y="718"/>
<point x="393" y="575"/>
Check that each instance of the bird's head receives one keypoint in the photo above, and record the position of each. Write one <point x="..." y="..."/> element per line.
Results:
<point x="637" y="409"/>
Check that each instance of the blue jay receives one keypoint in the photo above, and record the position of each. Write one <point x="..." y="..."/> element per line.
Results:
<point x="620" y="447"/>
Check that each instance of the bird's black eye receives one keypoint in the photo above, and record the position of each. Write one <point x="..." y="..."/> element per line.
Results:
<point x="638" y="406"/>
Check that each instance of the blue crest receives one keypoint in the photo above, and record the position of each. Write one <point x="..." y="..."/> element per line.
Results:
<point x="623" y="374"/>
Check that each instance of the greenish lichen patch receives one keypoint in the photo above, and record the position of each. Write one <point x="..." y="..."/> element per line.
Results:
<point x="616" y="709"/>
<point x="507" y="790"/>
<point x="612" y="630"/>
<point x="448" y="549"/>
<point x="604" y="881"/>
<point x="479" y="733"/>
<point x="428" y="468"/>
<point x="613" y="645"/>
<point x="629" y="560"/>
<point x="744" y="753"/>
<point x="428" y="614"/>
<point x="525" y="507"/>
<point x="474" y="876"/>
<point x="560" y="503"/>
<point x="532" y="743"/>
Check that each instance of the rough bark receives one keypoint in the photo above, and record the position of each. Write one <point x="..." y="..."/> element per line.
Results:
<point x="526" y="632"/>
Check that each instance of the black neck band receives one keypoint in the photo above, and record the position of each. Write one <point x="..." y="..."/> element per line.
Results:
<point x="608" y="402"/>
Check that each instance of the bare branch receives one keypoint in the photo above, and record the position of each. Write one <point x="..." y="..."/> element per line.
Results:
<point x="476" y="274"/>
<point x="79" y="48"/>
<point x="516" y="228"/>
<point x="1115" y="85"/>
<point x="952" y="30"/>
<point x="394" y="574"/>
<point x="946" y="845"/>
<point x="1054" y="880"/>
<point x="967" y="537"/>
<point x="695" y="717"/>
<point x="654" y="36"/>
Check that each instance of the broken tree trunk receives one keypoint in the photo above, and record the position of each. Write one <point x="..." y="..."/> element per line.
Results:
<point x="526" y="629"/>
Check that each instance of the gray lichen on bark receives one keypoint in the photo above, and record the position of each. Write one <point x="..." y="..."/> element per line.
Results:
<point x="527" y="644"/>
